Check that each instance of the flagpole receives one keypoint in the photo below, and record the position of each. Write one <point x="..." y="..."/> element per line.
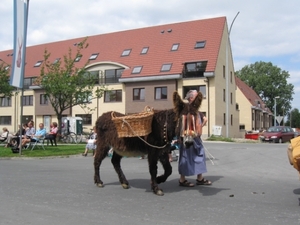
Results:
<point x="22" y="75"/>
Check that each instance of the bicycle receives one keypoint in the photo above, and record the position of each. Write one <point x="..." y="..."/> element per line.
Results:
<point x="70" y="137"/>
<point x="83" y="136"/>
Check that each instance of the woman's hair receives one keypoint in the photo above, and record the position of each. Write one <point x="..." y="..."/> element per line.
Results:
<point x="190" y="94"/>
<point x="54" y="124"/>
<point x="4" y="129"/>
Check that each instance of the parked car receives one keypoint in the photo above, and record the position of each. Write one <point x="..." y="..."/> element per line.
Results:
<point x="278" y="134"/>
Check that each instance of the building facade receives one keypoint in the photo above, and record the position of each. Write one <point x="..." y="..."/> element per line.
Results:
<point x="141" y="67"/>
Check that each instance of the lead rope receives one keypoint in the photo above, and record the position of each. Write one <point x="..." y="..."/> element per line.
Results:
<point x="153" y="146"/>
<point x="210" y="156"/>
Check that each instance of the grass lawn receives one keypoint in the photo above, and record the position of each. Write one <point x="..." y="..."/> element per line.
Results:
<point x="59" y="150"/>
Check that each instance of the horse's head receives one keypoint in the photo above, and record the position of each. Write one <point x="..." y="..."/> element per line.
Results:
<point x="187" y="115"/>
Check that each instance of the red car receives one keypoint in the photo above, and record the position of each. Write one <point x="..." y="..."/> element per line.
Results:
<point x="278" y="134"/>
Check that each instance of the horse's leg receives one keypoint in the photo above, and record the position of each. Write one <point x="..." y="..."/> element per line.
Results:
<point x="116" y="161"/>
<point x="152" y="160"/>
<point x="98" y="158"/>
<point x="164" y="159"/>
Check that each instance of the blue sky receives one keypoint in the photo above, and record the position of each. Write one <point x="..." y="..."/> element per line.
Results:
<point x="266" y="30"/>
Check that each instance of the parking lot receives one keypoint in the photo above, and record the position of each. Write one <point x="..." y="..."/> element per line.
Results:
<point x="252" y="184"/>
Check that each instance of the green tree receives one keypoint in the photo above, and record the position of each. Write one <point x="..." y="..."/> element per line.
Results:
<point x="65" y="85"/>
<point x="5" y="88"/>
<point x="269" y="81"/>
<point x="293" y="118"/>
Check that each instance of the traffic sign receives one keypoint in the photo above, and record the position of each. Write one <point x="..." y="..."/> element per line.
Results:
<point x="279" y="119"/>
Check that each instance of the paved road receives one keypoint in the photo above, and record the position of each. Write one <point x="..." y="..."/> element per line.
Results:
<point x="252" y="184"/>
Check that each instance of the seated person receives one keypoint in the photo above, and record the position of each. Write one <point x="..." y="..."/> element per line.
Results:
<point x="29" y="137"/>
<point x="4" y="134"/>
<point x="52" y="134"/>
<point x="91" y="143"/>
<point x="15" y="138"/>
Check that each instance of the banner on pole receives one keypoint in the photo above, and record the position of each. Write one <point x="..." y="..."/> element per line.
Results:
<point x="20" y="30"/>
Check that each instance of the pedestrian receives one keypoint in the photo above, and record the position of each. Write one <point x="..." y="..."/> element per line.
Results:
<point x="91" y="142"/>
<point x="192" y="159"/>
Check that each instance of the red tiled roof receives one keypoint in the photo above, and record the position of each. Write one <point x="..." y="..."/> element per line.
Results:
<point x="110" y="47"/>
<point x="250" y="94"/>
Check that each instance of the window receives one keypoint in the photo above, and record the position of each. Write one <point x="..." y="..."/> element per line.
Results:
<point x="161" y="93"/>
<point x="231" y="97"/>
<point x="5" y="101"/>
<point x="113" y="96"/>
<point x="38" y="63"/>
<point x="27" y="100"/>
<point x="201" y="88"/>
<point x="237" y="106"/>
<point x="94" y="75"/>
<point x="112" y="76"/>
<point x="94" y="56"/>
<point x="43" y="99"/>
<point x="27" y="118"/>
<point x="200" y="44"/>
<point x="166" y="67"/>
<point x="138" y="94"/>
<point x="5" y="120"/>
<point x="78" y="58"/>
<point x="194" y="69"/>
<point x="136" y="70"/>
<point x="224" y="119"/>
<point x="231" y="76"/>
<point x="126" y="52"/>
<point x="144" y="50"/>
<point x="224" y="74"/>
<point x="175" y="47"/>
<point x="224" y="97"/>
<point x="231" y="119"/>
<point x="242" y="127"/>
<point x="56" y="60"/>
<point x="84" y="98"/>
<point x="86" y="118"/>
<point x="28" y="82"/>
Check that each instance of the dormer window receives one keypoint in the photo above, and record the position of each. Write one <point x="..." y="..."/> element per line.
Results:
<point x="137" y="70"/>
<point x="126" y="52"/>
<point x="166" y="67"/>
<point x="200" y="44"/>
<point x="144" y="50"/>
<point x="175" y="47"/>
<point x="78" y="58"/>
<point x="94" y="56"/>
<point x="38" y="63"/>
<point x="56" y="60"/>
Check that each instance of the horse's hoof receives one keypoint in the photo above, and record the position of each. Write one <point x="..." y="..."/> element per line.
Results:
<point x="100" y="185"/>
<point x="125" y="186"/>
<point x="159" y="193"/>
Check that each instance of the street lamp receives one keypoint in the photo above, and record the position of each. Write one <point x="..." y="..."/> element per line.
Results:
<point x="227" y="78"/>
<point x="275" y="110"/>
<point x="282" y="115"/>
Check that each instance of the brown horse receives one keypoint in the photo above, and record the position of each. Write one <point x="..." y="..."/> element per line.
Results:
<point x="165" y="125"/>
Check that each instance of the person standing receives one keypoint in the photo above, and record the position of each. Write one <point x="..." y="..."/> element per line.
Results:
<point x="192" y="159"/>
<point x="91" y="142"/>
